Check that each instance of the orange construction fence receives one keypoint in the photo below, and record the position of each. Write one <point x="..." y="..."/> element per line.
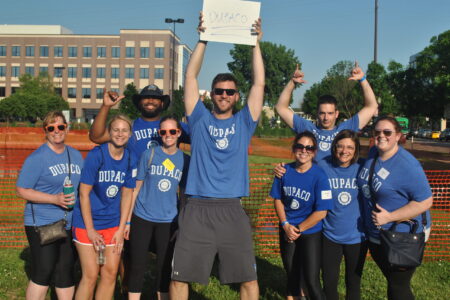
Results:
<point x="258" y="205"/>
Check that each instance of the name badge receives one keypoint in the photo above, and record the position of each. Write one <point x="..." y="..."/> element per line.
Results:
<point x="383" y="173"/>
<point x="168" y="164"/>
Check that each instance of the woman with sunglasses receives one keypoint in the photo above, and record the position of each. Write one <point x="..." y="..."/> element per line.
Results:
<point x="41" y="183"/>
<point x="99" y="220"/>
<point x="343" y="228"/>
<point x="302" y="199"/>
<point x="401" y="192"/>
<point x="161" y="175"/>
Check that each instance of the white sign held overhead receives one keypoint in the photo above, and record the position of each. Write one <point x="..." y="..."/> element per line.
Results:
<point x="230" y="21"/>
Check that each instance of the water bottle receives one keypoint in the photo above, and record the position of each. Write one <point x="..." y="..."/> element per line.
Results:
<point x="101" y="258"/>
<point x="68" y="189"/>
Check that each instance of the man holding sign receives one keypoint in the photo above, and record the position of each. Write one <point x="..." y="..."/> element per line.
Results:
<point x="213" y="221"/>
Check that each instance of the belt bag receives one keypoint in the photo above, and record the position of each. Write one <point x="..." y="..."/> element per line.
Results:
<point x="403" y="249"/>
<point x="52" y="232"/>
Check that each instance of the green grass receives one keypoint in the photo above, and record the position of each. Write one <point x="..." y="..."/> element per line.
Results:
<point x="430" y="281"/>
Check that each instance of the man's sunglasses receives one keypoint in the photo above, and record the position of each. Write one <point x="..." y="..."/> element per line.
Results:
<point x="386" y="132"/>
<point x="51" y="128"/>
<point x="163" y="132"/>
<point x="230" y="92"/>
<point x="301" y="147"/>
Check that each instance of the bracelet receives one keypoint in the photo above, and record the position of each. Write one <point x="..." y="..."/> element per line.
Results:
<point x="362" y="79"/>
<point x="284" y="223"/>
<point x="127" y="223"/>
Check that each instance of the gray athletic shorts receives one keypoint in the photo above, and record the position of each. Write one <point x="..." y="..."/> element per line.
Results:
<point x="214" y="226"/>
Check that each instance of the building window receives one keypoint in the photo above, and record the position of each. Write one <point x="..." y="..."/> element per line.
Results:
<point x="99" y="93"/>
<point x="115" y="52"/>
<point x="58" y="51"/>
<point x="159" y="73"/>
<point x="57" y="72"/>
<point x="115" y="72"/>
<point x="86" y="93"/>
<point x="129" y="52"/>
<point x="29" y="70"/>
<point x="2" y="71"/>
<point x="101" y="51"/>
<point x="159" y="52"/>
<point x="43" y="70"/>
<point x="72" y="92"/>
<point x="87" y="51"/>
<point x="115" y="90"/>
<point x="72" y="72"/>
<point x="14" y="89"/>
<point x="73" y="51"/>
<point x="15" y="51"/>
<point x="29" y="51"/>
<point x="43" y="51"/>
<point x="145" y="52"/>
<point x="129" y="73"/>
<point x="2" y="91"/>
<point x="143" y="73"/>
<point x="101" y="72"/>
<point x="2" y="50"/>
<point x="86" y="73"/>
<point x="15" y="71"/>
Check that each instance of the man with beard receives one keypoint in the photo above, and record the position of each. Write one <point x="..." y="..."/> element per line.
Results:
<point x="151" y="102"/>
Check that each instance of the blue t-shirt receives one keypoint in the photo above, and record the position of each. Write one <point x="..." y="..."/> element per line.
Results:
<point x="324" y="137"/>
<point x="107" y="177"/>
<point x="302" y="194"/>
<point x="396" y="181"/>
<point x="219" y="158"/>
<point x="157" y="199"/>
<point x="145" y="135"/>
<point x="344" y="224"/>
<point x="45" y="171"/>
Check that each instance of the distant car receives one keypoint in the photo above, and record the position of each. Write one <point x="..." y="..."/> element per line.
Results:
<point x="445" y="135"/>
<point x="424" y="133"/>
<point x="435" y="135"/>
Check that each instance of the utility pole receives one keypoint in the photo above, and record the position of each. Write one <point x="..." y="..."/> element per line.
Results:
<point x="375" y="43"/>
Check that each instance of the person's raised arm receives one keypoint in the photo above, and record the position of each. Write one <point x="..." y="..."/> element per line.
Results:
<point x="256" y="95"/>
<point x="370" y="101"/>
<point x="98" y="132"/>
<point x="282" y="105"/>
<point x="191" y="94"/>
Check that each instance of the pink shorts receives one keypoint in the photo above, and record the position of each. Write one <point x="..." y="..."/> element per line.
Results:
<point x="80" y="235"/>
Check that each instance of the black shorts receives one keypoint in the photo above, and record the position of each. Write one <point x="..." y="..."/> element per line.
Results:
<point x="214" y="226"/>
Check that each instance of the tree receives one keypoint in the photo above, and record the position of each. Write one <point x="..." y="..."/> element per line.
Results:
<point x="35" y="97"/>
<point x="279" y="63"/>
<point x="335" y="83"/>
<point x="177" y="104"/>
<point x="379" y="81"/>
<point x="127" y="106"/>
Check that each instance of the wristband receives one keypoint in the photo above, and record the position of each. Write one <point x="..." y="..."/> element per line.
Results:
<point x="362" y="79"/>
<point x="284" y="223"/>
<point x="127" y="223"/>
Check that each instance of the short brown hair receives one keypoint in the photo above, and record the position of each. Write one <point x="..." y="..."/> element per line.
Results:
<point x="51" y="117"/>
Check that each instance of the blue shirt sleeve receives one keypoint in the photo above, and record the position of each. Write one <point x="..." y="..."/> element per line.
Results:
<point x="143" y="164"/>
<point x="197" y="113"/>
<point x="301" y="124"/>
<point x="352" y="124"/>
<point x="323" y="194"/>
<point x="130" y="177"/>
<point x="187" y="160"/>
<point x="91" y="167"/>
<point x="275" y="192"/>
<point x="30" y="172"/>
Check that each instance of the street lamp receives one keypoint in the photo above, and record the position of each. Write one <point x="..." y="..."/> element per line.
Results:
<point x="173" y="21"/>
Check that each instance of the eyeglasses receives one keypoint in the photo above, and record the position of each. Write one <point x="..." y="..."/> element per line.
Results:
<point x="386" y="132"/>
<point x="230" y="92"/>
<point x="301" y="147"/>
<point x="51" y="128"/>
<point x="163" y="132"/>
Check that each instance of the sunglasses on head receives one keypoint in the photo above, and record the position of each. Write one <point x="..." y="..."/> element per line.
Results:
<point x="386" y="132"/>
<point x="163" y="132"/>
<point x="301" y="147"/>
<point x="51" y="128"/>
<point x="230" y="92"/>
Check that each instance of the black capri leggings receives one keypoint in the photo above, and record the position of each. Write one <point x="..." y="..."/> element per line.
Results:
<point x="398" y="279"/>
<point x="302" y="258"/>
<point x="56" y="259"/>
<point x="354" y="255"/>
<point x="141" y="233"/>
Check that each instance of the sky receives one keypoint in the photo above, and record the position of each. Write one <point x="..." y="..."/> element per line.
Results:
<point x="321" y="32"/>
